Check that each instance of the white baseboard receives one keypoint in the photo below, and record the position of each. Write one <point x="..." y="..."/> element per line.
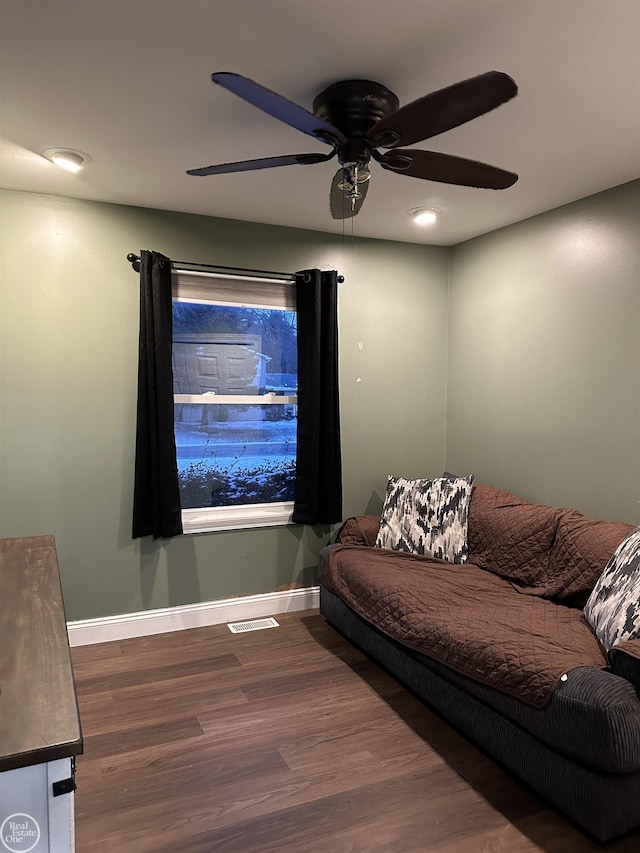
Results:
<point x="85" y="632"/>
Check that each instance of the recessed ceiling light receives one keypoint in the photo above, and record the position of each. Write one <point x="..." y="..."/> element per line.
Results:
<point x="424" y="215"/>
<point x="67" y="158"/>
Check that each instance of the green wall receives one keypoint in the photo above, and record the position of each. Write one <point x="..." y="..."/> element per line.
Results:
<point x="514" y="356"/>
<point x="69" y="324"/>
<point x="544" y="356"/>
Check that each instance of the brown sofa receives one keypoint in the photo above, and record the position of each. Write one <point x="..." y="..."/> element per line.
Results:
<point x="500" y="647"/>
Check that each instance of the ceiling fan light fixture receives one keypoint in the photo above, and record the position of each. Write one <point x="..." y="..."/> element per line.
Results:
<point x="362" y="173"/>
<point x="354" y="174"/>
<point x="67" y="158"/>
<point x="424" y="215"/>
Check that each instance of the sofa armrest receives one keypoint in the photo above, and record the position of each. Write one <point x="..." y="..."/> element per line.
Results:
<point x="359" y="530"/>
<point x="625" y="661"/>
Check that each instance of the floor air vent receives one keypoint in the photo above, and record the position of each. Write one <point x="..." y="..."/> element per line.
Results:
<point x="252" y="625"/>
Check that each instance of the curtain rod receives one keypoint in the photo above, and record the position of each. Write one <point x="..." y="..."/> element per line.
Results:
<point x="134" y="260"/>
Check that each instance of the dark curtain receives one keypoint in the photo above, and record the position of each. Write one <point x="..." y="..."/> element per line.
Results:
<point x="318" y="489"/>
<point x="156" y="499"/>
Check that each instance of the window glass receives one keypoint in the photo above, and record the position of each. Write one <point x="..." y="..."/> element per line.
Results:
<point x="235" y="392"/>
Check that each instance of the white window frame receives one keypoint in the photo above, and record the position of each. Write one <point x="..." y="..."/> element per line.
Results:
<point x="242" y="292"/>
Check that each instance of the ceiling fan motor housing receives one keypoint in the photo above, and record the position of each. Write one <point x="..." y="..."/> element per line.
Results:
<point x="353" y="107"/>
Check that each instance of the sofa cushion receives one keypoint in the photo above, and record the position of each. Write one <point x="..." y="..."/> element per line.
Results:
<point x="581" y="550"/>
<point x="510" y="536"/>
<point x="613" y="608"/>
<point x="471" y="620"/>
<point x="427" y="517"/>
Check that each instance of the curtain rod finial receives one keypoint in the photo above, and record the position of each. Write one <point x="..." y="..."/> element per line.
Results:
<point x="134" y="260"/>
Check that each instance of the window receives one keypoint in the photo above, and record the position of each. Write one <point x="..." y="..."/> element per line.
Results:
<point x="235" y="396"/>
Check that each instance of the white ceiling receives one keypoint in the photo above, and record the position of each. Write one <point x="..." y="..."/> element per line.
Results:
<point x="128" y="82"/>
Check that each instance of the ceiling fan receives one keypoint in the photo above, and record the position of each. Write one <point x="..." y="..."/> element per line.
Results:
<point x="358" y="117"/>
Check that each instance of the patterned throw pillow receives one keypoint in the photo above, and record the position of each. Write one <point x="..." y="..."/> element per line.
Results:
<point x="613" y="608"/>
<point x="428" y="517"/>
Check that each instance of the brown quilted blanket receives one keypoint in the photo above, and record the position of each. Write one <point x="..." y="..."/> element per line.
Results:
<point x="467" y="618"/>
<point x="543" y="550"/>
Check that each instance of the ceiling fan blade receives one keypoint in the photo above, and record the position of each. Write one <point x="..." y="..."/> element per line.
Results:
<point x="262" y="163"/>
<point x="445" y="168"/>
<point x="278" y="107"/>
<point x="443" y="110"/>
<point x="340" y="204"/>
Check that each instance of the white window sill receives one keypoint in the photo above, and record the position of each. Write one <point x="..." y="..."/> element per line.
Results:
<point x="210" y="519"/>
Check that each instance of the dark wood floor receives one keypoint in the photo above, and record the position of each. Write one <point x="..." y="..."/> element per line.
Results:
<point x="284" y="740"/>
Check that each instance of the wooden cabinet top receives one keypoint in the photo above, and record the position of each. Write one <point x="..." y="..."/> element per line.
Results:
<point x="39" y="718"/>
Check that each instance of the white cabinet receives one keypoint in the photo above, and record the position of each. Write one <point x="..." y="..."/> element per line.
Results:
<point x="35" y="816"/>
